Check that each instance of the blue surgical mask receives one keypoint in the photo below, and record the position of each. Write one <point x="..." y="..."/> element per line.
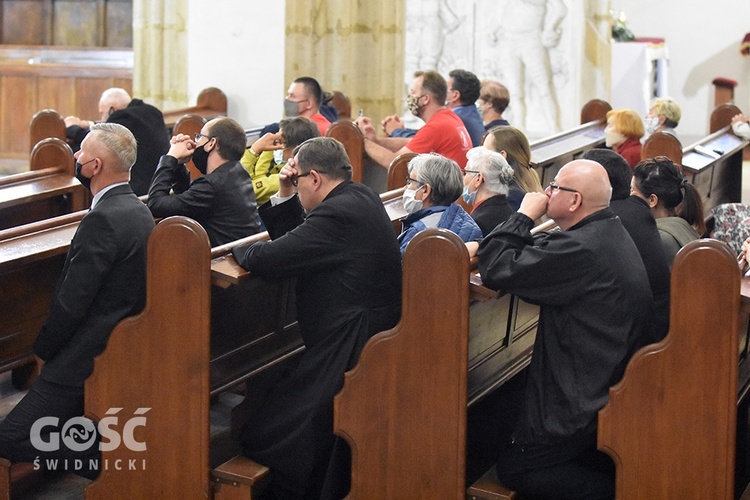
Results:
<point x="468" y="197"/>
<point x="278" y="156"/>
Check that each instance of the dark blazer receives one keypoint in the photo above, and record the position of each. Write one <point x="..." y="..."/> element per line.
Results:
<point x="103" y="281"/>
<point x="638" y="221"/>
<point x="491" y="212"/>
<point x="348" y="269"/>
<point x="146" y="123"/>
<point x="223" y="202"/>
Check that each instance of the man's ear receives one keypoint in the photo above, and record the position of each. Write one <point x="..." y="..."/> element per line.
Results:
<point x="652" y="200"/>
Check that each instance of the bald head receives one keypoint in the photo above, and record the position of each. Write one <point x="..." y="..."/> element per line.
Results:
<point x="113" y="99"/>
<point x="584" y="190"/>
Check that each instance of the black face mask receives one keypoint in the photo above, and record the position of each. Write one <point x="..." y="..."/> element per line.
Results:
<point x="85" y="181"/>
<point x="200" y="159"/>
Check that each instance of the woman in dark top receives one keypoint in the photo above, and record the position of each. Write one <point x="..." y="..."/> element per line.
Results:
<point x="486" y="183"/>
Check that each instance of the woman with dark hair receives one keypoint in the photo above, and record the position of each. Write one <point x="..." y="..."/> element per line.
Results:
<point x="513" y="145"/>
<point x="675" y="203"/>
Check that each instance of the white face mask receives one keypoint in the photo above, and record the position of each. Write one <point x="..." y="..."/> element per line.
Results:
<point x="278" y="156"/>
<point x="612" y="138"/>
<point x="652" y="123"/>
<point x="411" y="204"/>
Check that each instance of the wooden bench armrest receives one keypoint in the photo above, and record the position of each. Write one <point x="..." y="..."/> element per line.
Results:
<point x="488" y="487"/>
<point x="240" y="470"/>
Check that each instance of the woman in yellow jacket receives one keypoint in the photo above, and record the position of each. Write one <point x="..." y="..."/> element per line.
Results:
<point x="264" y="159"/>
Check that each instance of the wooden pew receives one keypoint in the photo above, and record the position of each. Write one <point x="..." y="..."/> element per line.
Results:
<point x="669" y="425"/>
<point x="190" y="124"/>
<point x="550" y="154"/>
<point x="403" y="407"/>
<point x="714" y="164"/>
<point x="47" y="190"/>
<point x="398" y="170"/>
<point x="662" y="144"/>
<point x="46" y="123"/>
<point x="211" y="102"/>
<point x="164" y="377"/>
<point x="348" y="134"/>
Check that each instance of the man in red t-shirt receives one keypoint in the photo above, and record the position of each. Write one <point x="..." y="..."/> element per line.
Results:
<point x="303" y="99"/>
<point x="443" y="133"/>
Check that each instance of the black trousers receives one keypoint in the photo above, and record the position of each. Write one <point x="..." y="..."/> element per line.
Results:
<point x="590" y="476"/>
<point x="50" y="401"/>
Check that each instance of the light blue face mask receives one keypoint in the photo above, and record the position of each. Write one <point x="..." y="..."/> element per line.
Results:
<point x="278" y="156"/>
<point x="468" y="197"/>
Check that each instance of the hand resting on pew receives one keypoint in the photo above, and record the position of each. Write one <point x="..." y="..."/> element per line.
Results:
<point x="742" y="257"/>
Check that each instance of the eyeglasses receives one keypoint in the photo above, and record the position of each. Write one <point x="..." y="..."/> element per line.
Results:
<point x="198" y="135"/>
<point x="554" y="187"/>
<point x="466" y="171"/>
<point x="296" y="178"/>
<point x="410" y="180"/>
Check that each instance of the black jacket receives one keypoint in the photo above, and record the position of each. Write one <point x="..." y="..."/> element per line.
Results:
<point x="146" y="123"/>
<point x="103" y="281"/>
<point x="223" y="202"/>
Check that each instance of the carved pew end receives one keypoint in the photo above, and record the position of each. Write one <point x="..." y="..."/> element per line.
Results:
<point x="237" y="478"/>
<point x="19" y="479"/>
<point x="488" y="487"/>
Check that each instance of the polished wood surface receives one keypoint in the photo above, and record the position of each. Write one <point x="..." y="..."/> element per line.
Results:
<point x="662" y="144"/>
<point x="342" y="104"/>
<point x="348" y="134"/>
<point x="189" y="124"/>
<point x="714" y="166"/>
<point x="67" y="80"/>
<point x="211" y="102"/>
<point x="46" y="123"/>
<point x="398" y="171"/>
<point x="669" y="425"/>
<point x="722" y="115"/>
<point x="49" y="189"/>
<point x="408" y="435"/>
<point x="595" y="111"/>
<point x="156" y="365"/>
<point x="549" y="155"/>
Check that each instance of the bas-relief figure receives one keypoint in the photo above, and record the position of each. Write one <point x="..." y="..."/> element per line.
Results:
<point x="517" y="42"/>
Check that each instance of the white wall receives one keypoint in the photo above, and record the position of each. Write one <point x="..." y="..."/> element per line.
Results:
<point x="703" y="39"/>
<point x="238" y="46"/>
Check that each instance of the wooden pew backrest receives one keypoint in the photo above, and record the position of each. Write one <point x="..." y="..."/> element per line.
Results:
<point x="722" y="115"/>
<point x="156" y="365"/>
<point x="348" y="134"/>
<point x="190" y="124"/>
<point x="418" y="450"/>
<point x="595" y="110"/>
<point x="398" y="170"/>
<point x="662" y="144"/>
<point x="211" y="102"/>
<point x="46" y="123"/>
<point x="669" y="424"/>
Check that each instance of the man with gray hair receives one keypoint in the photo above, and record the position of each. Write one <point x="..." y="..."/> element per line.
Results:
<point x="146" y="123"/>
<point x="103" y="281"/>
<point x="595" y="299"/>
<point x="349" y="287"/>
<point x="487" y="179"/>
<point x="432" y="186"/>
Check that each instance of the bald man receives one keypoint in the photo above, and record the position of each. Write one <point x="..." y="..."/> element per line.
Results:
<point x="145" y="122"/>
<point x="594" y="295"/>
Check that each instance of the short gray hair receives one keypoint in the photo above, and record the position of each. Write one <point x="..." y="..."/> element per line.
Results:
<point x="497" y="173"/>
<point x="442" y="174"/>
<point x="120" y="142"/>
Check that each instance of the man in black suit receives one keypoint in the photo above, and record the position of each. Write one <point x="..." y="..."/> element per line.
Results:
<point x="223" y="199"/>
<point x="103" y="281"/>
<point x="146" y="123"/>
<point x="348" y="268"/>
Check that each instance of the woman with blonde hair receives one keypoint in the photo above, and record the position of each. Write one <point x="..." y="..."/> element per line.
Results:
<point x="513" y="145"/>
<point x="663" y="116"/>
<point x="623" y="134"/>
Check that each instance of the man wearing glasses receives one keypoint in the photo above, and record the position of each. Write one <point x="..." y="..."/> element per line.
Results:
<point x="594" y="294"/>
<point x="344" y="255"/>
<point x="222" y="200"/>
